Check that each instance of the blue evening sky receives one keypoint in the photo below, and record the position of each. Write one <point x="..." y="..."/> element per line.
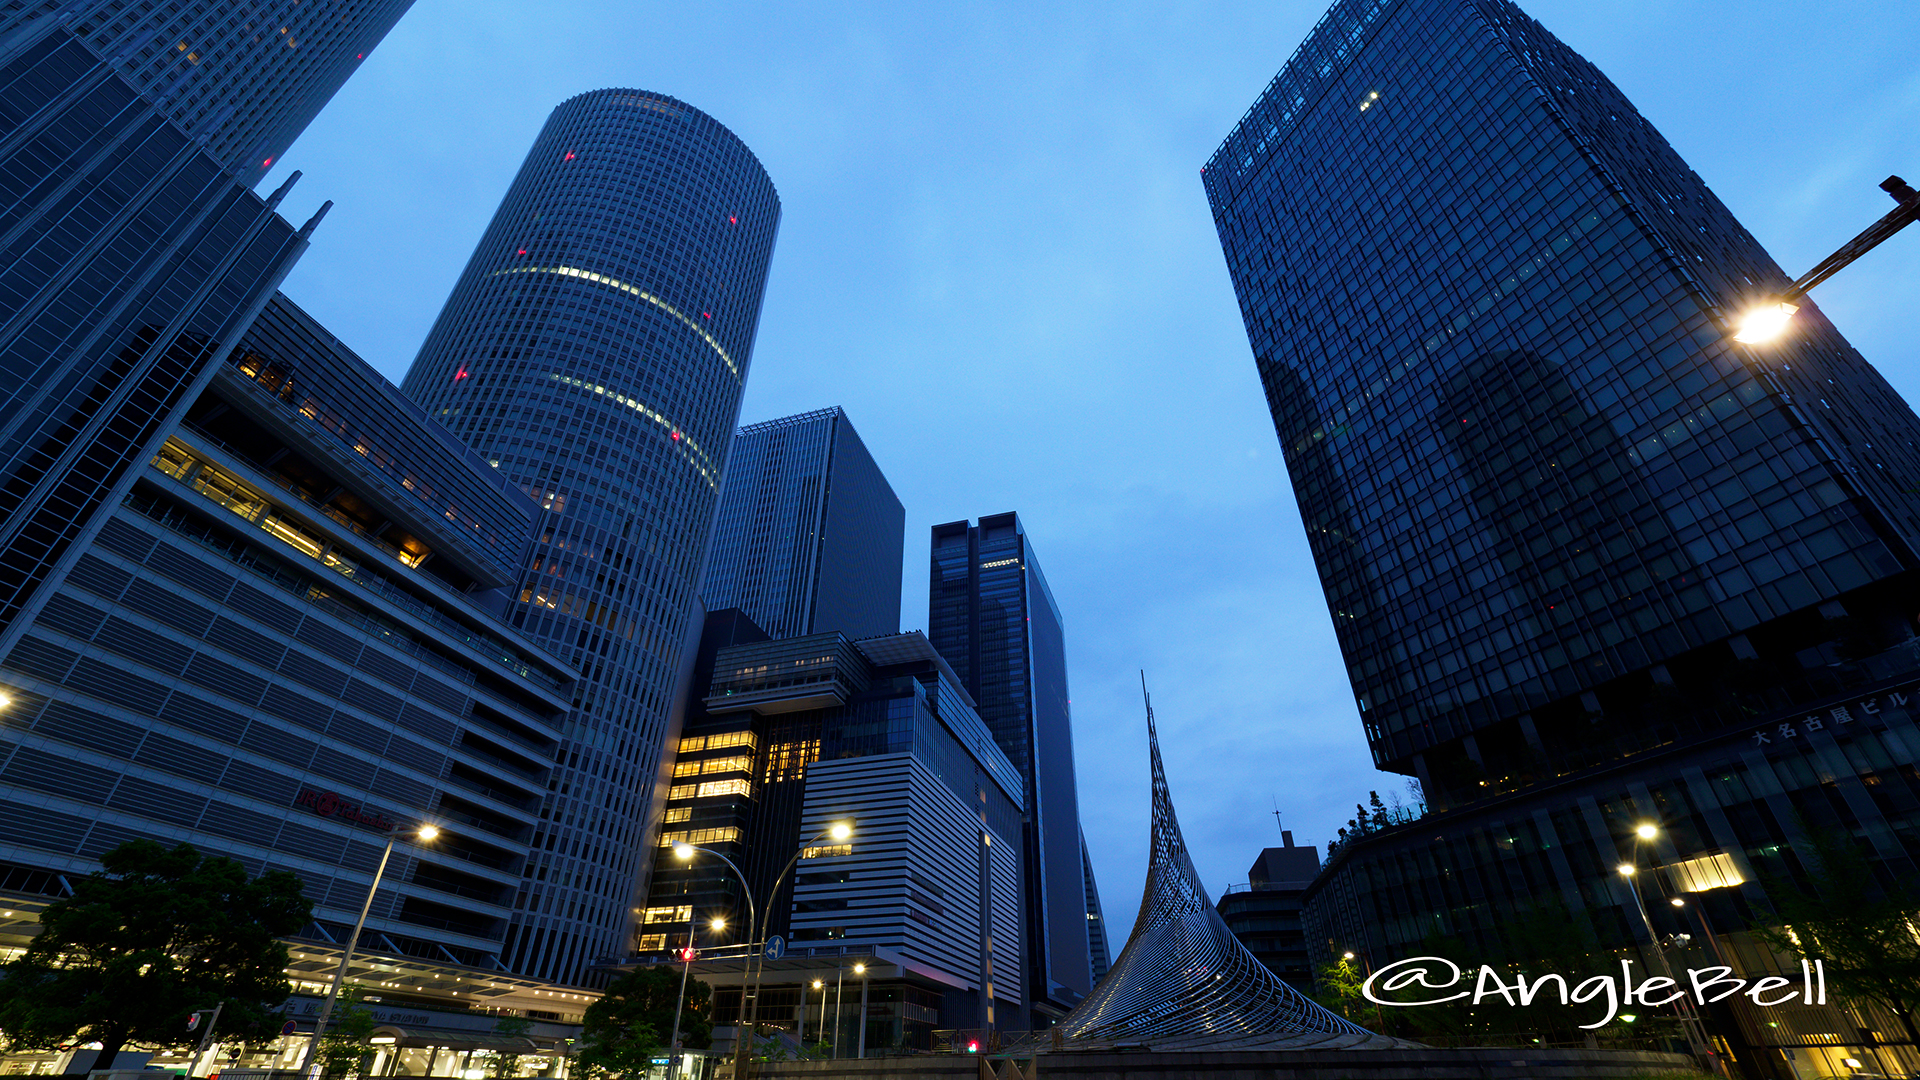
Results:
<point x="997" y="256"/>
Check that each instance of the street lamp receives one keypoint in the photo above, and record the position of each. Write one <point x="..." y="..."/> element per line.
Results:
<point x="861" y="970"/>
<point x="1769" y="318"/>
<point x="686" y="955"/>
<point x="822" y="987"/>
<point x="838" y="830"/>
<point x="685" y="853"/>
<point x="424" y="834"/>
<point x="1689" y="1020"/>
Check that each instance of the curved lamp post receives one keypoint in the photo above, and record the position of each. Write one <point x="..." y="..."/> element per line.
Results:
<point x="1768" y="319"/>
<point x="685" y="853"/>
<point x="423" y="834"/>
<point x="1689" y="1020"/>
<point x="839" y="830"/>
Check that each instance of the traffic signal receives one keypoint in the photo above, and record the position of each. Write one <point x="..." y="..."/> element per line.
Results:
<point x="973" y="1046"/>
<point x="689" y="954"/>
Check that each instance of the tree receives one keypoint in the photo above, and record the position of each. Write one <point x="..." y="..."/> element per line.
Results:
<point x="621" y="1032"/>
<point x="349" y="1036"/>
<point x="146" y="941"/>
<point x="502" y="1064"/>
<point x="1867" y="934"/>
<point x="1338" y="986"/>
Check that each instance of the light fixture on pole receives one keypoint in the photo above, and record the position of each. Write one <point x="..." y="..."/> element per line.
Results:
<point x="1689" y="1020"/>
<point x="423" y="834"/>
<point x="685" y="853"/>
<point x="838" y="830"/>
<point x="861" y="970"/>
<point x="687" y="957"/>
<point x="1768" y="319"/>
<point x="822" y="987"/>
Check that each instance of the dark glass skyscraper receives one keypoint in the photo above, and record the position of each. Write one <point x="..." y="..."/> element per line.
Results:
<point x="994" y="620"/>
<point x="1592" y="564"/>
<point x="810" y="535"/>
<point x="594" y="351"/>
<point x="1486" y="301"/>
<point x="135" y="251"/>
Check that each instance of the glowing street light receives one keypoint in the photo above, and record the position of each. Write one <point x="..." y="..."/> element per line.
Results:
<point x="1764" y="322"/>
<point x="838" y="830"/>
<point x="421" y="834"/>
<point x="1646" y="830"/>
<point x="1627" y="869"/>
<point x="1769" y="318"/>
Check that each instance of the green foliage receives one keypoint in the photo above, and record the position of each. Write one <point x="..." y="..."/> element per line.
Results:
<point x="633" y="1019"/>
<point x="349" y="1037"/>
<point x="502" y="1064"/>
<point x="149" y="939"/>
<point x="1866" y="933"/>
<point x="1337" y="986"/>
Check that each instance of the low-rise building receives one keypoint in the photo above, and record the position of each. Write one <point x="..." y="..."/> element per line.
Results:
<point x="1265" y="913"/>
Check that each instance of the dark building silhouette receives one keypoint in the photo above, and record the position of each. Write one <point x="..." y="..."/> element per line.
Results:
<point x="810" y="534"/>
<point x="1265" y="914"/>
<point x="994" y="619"/>
<point x="1591" y="563"/>
<point x="594" y="351"/>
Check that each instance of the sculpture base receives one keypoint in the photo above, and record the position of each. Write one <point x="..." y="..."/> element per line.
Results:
<point x="1472" y="1063"/>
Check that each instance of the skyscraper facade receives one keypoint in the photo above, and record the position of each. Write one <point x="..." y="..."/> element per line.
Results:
<point x="994" y="619"/>
<point x="594" y="351"/>
<point x="1592" y="564"/>
<point x="810" y="536"/>
<point x="1537" y="478"/>
<point x="272" y="650"/>
<point x="242" y="80"/>
<point x="136" y="252"/>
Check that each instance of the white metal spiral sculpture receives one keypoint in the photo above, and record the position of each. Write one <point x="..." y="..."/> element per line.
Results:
<point x="1185" y="978"/>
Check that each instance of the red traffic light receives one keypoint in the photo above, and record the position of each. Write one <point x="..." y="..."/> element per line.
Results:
<point x="973" y="1046"/>
<point x="689" y="954"/>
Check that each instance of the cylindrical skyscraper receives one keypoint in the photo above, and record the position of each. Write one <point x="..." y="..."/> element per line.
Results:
<point x="595" y="351"/>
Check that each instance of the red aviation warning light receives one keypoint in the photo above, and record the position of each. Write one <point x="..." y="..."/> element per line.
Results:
<point x="461" y="374"/>
<point x="569" y="156"/>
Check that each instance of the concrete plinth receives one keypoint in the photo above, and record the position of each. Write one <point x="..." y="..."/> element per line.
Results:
<point x="1476" y="1063"/>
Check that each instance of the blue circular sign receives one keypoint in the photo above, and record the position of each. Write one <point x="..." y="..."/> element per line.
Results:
<point x="776" y="947"/>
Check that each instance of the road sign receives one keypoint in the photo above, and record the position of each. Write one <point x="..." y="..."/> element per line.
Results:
<point x="776" y="947"/>
<point x="289" y="1028"/>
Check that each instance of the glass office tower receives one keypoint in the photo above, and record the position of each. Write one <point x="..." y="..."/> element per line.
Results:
<point x="594" y="351"/>
<point x="993" y="618"/>
<point x="135" y="251"/>
<point x="242" y="79"/>
<point x="810" y="535"/>
<point x="1486" y="301"/>
<point x="1591" y="563"/>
